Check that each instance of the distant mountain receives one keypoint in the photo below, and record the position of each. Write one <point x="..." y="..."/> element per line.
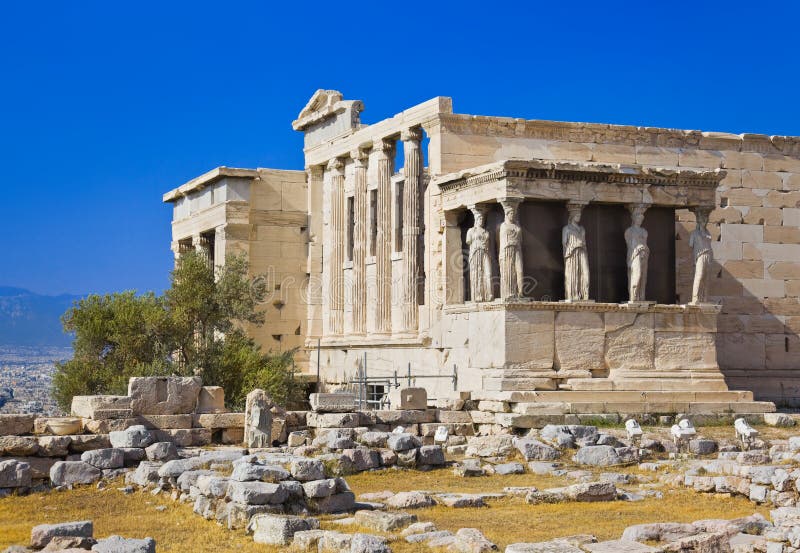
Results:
<point x="29" y="319"/>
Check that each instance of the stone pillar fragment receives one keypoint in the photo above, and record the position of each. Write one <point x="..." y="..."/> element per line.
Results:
<point x="258" y="420"/>
<point x="338" y="234"/>
<point x="411" y="227"/>
<point x="382" y="150"/>
<point x="359" y="241"/>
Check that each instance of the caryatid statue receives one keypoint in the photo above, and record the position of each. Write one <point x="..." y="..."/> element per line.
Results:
<point x="576" y="257"/>
<point x="638" y="254"/>
<point x="511" y="276"/>
<point x="700" y="242"/>
<point x="480" y="265"/>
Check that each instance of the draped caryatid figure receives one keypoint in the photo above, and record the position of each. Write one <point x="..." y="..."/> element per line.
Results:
<point x="700" y="242"/>
<point x="638" y="255"/>
<point x="480" y="265"/>
<point x="511" y="276"/>
<point x="576" y="257"/>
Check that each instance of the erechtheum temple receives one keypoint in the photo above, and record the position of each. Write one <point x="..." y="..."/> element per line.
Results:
<point x="613" y="267"/>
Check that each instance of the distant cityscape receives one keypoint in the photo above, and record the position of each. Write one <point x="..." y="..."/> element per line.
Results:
<point x="26" y="374"/>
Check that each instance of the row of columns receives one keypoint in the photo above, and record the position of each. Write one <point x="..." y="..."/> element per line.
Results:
<point x="382" y="155"/>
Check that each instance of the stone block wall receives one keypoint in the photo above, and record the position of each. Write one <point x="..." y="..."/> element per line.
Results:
<point x="756" y="225"/>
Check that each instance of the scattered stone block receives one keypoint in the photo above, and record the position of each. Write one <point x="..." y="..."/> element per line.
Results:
<point x="256" y="493"/>
<point x="54" y="446"/>
<point x="336" y="503"/>
<point x="86" y="406"/>
<point x="408" y="398"/>
<point x="341" y="402"/>
<point x="382" y="521"/>
<point x="619" y="546"/>
<point x="109" y="458"/>
<point x="258" y="419"/>
<point x="534" y="450"/>
<point x="174" y="469"/>
<point x="554" y="546"/>
<point x="145" y="474"/>
<point x="15" y="474"/>
<point x="410" y="500"/>
<point x="117" y="544"/>
<point x="306" y="470"/>
<point x="279" y="530"/>
<point x="65" y="473"/>
<point x="135" y="436"/>
<point x="219" y="420"/>
<point x="211" y="399"/>
<point x="166" y="422"/>
<point x="158" y="395"/>
<point x="16" y="425"/>
<point x="18" y="446"/>
<point x="770" y="419"/>
<point x="472" y="540"/>
<point x="402" y="442"/>
<point x="509" y="468"/>
<point x="367" y="543"/>
<point x="81" y="443"/>
<point x="460" y="500"/>
<point x="161" y="451"/>
<point x="598" y="456"/>
<point x="42" y="534"/>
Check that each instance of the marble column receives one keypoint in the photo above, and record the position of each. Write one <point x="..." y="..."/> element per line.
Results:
<point x="411" y="227"/>
<point x="382" y="152"/>
<point x="453" y="260"/>
<point x="359" y="241"/>
<point x="315" y="178"/>
<point x="336" y="282"/>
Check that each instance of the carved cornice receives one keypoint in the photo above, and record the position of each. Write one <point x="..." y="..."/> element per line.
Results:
<point x="618" y="134"/>
<point x="595" y="307"/>
<point x="574" y="172"/>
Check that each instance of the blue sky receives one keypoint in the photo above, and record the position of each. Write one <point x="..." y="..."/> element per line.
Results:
<point x="104" y="106"/>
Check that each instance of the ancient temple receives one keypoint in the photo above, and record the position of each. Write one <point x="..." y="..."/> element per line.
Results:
<point x="521" y="256"/>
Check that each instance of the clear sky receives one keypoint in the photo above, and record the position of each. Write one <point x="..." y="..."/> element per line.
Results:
<point x="104" y="106"/>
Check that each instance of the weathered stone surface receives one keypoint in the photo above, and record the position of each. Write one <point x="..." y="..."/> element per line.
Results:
<point x="340" y="402"/>
<point x="472" y="540"/>
<point x="534" y="450"/>
<point x="279" y="530"/>
<point x="410" y="500"/>
<point x="135" y="436"/>
<point x="248" y="472"/>
<point x="156" y="395"/>
<point x="85" y="406"/>
<point x="554" y="546"/>
<point x="408" y="398"/>
<point x="460" y="500"/>
<point x="166" y="422"/>
<point x="161" y="451"/>
<point x="219" y="420"/>
<point x="117" y="544"/>
<point x="256" y="493"/>
<point x="367" y="543"/>
<point x="79" y="444"/>
<point x="212" y="485"/>
<point x="15" y="446"/>
<point x="211" y="399"/>
<point x="54" y="446"/>
<point x="402" y="442"/>
<point x="59" y="426"/>
<point x="432" y="455"/>
<point x="145" y="474"/>
<point x="64" y="473"/>
<point x="362" y="459"/>
<point x="258" y="419"/>
<point x="336" y="503"/>
<point x="702" y="446"/>
<point x="509" y="468"/>
<point x="43" y="533"/>
<point x="382" y="521"/>
<point x="173" y="469"/>
<point x="619" y="546"/>
<point x="15" y="474"/>
<point x="16" y="425"/>
<point x="306" y="470"/>
<point x="598" y="456"/>
<point x="591" y="491"/>
<point x="71" y="544"/>
<point x="333" y="420"/>
<point x="110" y="458"/>
<point x="319" y="488"/>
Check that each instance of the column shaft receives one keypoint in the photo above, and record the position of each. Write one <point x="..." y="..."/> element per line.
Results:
<point x="382" y="149"/>
<point x="411" y="218"/>
<point x="359" y="242"/>
<point x="336" y="282"/>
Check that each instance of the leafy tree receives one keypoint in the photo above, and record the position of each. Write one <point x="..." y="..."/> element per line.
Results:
<point x="196" y="327"/>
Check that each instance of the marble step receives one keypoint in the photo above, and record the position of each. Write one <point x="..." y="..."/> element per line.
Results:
<point x="682" y="396"/>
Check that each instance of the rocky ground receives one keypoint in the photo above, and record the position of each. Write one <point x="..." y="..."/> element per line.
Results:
<point x="710" y="492"/>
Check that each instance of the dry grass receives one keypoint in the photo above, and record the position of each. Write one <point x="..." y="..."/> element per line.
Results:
<point x="504" y="521"/>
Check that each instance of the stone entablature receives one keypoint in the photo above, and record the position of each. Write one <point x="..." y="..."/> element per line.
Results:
<point x="579" y="183"/>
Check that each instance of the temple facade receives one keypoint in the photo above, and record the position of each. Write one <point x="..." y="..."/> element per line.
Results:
<point x="519" y="256"/>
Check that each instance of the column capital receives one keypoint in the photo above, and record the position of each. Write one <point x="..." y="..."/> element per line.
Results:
<point x="576" y="206"/>
<point x="314" y="172"/>
<point x="383" y="146"/>
<point x="336" y="165"/>
<point x="359" y="156"/>
<point x="412" y="135"/>
<point x="638" y="207"/>
<point x="509" y="202"/>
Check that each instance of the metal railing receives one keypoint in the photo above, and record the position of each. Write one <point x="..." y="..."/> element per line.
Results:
<point x="361" y="382"/>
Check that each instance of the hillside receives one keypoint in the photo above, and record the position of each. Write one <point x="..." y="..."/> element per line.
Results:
<point x="30" y="319"/>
